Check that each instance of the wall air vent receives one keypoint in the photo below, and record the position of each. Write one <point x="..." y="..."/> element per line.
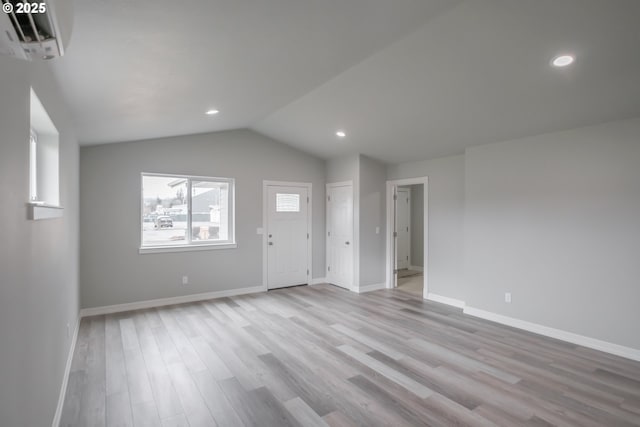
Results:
<point x="29" y="30"/>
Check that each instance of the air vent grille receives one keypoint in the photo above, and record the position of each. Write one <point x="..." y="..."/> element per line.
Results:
<point x="32" y="28"/>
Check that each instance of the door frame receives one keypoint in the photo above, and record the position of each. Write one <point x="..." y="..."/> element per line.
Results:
<point x="353" y="225"/>
<point x="390" y="254"/>
<point x="265" y="214"/>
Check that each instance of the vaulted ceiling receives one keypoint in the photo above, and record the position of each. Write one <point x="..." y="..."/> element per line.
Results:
<point x="408" y="79"/>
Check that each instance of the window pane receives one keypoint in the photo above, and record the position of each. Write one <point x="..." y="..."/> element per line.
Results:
<point x="286" y="202"/>
<point x="209" y="211"/>
<point x="164" y="210"/>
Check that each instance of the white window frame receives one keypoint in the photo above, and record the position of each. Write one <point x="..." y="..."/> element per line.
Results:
<point x="191" y="245"/>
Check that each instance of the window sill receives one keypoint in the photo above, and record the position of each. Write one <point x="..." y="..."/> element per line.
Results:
<point x="186" y="248"/>
<point x="38" y="211"/>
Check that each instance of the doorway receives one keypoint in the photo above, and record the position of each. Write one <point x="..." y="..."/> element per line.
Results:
<point x="287" y="234"/>
<point x="407" y="235"/>
<point x="410" y="238"/>
<point x="340" y="247"/>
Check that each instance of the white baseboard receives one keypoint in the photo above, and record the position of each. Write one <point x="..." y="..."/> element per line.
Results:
<point x="445" y="300"/>
<point x="607" y="347"/>
<point x="318" y="281"/>
<point x="370" y="288"/>
<point x="416" y="268"/>
<point x="118" y="308"/>
<point x="65" y="378"/>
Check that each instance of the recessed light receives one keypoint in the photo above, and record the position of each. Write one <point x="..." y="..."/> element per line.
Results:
<point x="212" y="112"/>
<point x="562" y="61"/>
<point x="341" y="134"/>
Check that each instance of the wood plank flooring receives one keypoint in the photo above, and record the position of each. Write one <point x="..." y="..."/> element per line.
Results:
<point x="322" y="356"/>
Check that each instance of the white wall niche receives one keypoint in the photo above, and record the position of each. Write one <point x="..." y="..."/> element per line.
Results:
<point x="44" y="164"/>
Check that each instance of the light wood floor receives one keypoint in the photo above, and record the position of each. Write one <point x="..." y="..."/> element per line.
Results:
<point x="317" y="356"/>
<point x="412" y="284"/>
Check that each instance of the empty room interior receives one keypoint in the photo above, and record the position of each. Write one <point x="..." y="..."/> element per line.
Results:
<point x="320" y="213"/>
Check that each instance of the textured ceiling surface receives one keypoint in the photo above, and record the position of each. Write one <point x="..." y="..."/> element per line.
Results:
<point x="406" y="79"/>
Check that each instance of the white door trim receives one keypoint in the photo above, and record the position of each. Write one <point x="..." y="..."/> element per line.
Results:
<point x="390" y="261"/>
<point x="326" y="237"/>
<point x="265" y="208"/>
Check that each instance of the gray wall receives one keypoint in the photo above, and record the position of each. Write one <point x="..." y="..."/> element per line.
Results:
<point x="112" y="271"/>
<point x="38" y="259"/>
<point x="372" y="215"/>
<point x="555" y="220"/>
<point x="417" y="225"/>
<point x="446" y="219"/>
<point x="552" y="219"/>
<point x="345" y="168"/>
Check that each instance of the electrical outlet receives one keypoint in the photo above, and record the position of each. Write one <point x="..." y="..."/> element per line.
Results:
<point x="507" y="297"/>
<point x="185" y="280"/>
<point x="377" y="230"/>
<point x="68" y="330"/>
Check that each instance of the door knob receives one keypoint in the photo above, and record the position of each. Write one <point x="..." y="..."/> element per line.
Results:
<point x="346" y="243"/>
<point x="270" y="243"/>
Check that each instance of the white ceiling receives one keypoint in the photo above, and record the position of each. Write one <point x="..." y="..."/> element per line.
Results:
<point x="406" y="79"/>
<point x="144" y="69"/>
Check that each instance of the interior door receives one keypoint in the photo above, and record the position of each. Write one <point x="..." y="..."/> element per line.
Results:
<point x="340" y="235"/>
<point x="287" y="236"/>
<point x="403" y="215"/>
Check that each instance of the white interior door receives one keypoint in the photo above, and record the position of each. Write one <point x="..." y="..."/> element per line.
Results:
<point x="340" y="235"/>
<point x="287" y="236"/>
<point x="403" y="219"/>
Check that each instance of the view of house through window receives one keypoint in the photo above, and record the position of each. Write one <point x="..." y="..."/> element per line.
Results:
<point x="183" y="210"/>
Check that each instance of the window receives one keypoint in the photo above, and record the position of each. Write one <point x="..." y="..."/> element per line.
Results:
<point x="44" y="178"/>
<point x="187" y="212"/>
<point x="287" y="202"/>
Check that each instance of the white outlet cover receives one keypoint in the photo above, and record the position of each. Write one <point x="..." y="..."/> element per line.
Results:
<point x="377" y="230"/>
<point x="259" y="230"/>
<point x="185" y="280"/>
<point x="507" y="297"/>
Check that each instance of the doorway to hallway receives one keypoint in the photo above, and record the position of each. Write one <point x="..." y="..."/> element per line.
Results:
<point x="407" y="236"/>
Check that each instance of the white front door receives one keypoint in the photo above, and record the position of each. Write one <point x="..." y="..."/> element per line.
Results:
<point x="403" y="240"/>
<point x="340" y="235"/>
<point x="287" y="236"/>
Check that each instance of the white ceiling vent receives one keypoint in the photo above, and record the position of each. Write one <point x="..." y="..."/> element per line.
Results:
<point x="29" y="30"/>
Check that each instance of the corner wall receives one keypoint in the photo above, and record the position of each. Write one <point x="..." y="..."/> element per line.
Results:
<point x="369" y="212"/>
<point x="39" y="292"/>
<point x="552" y="219"/>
